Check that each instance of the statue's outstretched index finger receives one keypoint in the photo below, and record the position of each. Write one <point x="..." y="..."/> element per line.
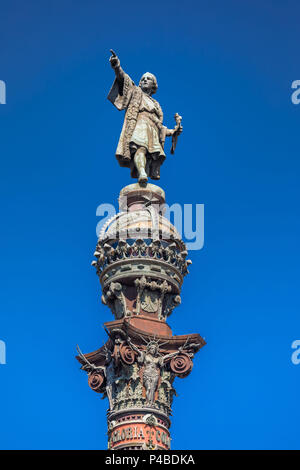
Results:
<point x="113" y="53"/>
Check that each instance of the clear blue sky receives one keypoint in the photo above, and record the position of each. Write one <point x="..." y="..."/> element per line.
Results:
<point x="227" y="68"/>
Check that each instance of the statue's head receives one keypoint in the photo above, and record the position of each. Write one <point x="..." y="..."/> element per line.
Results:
<point x="148" y="83"/>
<point x="152" y="348"/>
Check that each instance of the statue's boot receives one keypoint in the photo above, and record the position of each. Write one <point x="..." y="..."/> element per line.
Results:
<point x="155" y="170"/>
<point x="143" y="178"/>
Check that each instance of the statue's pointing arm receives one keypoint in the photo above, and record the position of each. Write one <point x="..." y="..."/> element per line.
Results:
<point x="115" y="63"/>
<point x="120" y="92"/>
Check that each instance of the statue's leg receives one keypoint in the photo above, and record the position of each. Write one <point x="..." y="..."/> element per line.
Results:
<point x="140" y="163"/>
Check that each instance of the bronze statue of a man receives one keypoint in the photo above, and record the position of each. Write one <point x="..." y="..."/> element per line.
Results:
<point x="141" y="144"/>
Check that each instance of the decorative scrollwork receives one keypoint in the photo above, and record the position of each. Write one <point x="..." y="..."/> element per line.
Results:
<point x="181" y="364"/>
<point x="127" y="354"/>
<point x="96" y="381"/>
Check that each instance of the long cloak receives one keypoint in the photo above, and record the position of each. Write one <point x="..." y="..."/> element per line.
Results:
<point x="131" y="100"/>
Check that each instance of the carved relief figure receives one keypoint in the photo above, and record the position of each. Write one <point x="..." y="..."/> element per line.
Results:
<point x="141" y="144"/>
<point x="153" y="362"/>
<point x="109" y="371"/>
<point x="115" y="299"/>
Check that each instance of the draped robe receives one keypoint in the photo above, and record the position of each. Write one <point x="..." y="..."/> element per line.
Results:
<point x="142" y="127"/>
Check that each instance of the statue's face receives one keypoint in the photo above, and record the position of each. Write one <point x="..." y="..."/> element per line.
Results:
<point x="147" y="83"/>
<point x="153" y="350"/>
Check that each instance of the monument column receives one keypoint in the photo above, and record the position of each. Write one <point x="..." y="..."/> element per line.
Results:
<point x="141" y="262"/>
